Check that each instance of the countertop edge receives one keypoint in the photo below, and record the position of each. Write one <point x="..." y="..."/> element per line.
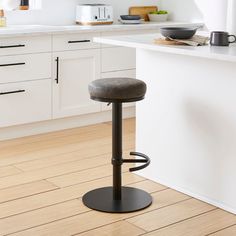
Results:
<point x="177" y="50"/>
<point x="74" y="29"/>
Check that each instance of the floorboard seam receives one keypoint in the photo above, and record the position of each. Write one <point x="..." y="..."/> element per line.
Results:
<point x="182" y="220"/>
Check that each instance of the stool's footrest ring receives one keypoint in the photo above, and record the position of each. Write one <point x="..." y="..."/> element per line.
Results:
<point x="145" y="160"/>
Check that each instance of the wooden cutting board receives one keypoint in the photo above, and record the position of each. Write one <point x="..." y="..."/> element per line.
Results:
<point x="142" y="11"/>
<point x="163" y="41"/>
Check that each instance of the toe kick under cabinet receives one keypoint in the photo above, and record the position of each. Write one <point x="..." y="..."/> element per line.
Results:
<point x="46" y="77"/>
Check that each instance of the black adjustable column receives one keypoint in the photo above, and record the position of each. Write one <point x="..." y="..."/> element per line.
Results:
<point x="118" y="199"/>
<point x="117" y="149"/>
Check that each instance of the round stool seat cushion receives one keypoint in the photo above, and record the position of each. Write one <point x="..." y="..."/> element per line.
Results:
<point x="117" y="90"/>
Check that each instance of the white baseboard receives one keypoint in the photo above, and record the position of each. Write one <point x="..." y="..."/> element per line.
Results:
<point x="194" y="195"/>
<point x="60" y="124"/>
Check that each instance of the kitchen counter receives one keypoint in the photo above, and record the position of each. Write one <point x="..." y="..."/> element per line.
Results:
<point x="147" y="42"/>
<point x="21" y="30"/>
<point x="187" y="121"/>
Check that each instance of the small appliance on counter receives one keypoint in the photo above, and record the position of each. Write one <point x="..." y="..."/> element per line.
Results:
<point x="94" y="14"/>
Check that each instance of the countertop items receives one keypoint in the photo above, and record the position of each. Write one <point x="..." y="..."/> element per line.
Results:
<point x="94" y="14"/>
<point x="196" y="40"/>
<point x="24" y="5"/>
<point x="142" y="11"/>
<point x="131" y="22"/>
<point x="147" y="42"/>
<point x="178" y="32"/>
<point x="3" y="20"/>
<point x="130" y="19"/>
<point x="21" y="30"/>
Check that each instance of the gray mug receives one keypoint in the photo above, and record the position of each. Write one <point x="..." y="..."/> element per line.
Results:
<point x="221" y="38"/>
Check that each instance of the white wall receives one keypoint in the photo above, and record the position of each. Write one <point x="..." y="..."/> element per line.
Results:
<point x="182" y="10"/>
<point x="62" y="12"/>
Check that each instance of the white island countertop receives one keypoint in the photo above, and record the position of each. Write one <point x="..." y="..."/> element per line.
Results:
<point x="187" y="122"/>
<point x="147" y="42"/>
<point x="27" y="30"/>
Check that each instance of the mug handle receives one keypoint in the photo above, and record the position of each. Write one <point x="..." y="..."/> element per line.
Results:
<point x="233" y="37"/>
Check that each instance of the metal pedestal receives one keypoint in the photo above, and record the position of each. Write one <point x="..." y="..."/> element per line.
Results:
<point x="118" y="199"/>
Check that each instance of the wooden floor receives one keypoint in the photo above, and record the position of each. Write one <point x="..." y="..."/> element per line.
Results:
<point x="43" y="177"/>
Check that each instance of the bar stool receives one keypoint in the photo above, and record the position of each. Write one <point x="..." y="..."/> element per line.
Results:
<point x="118" y="199"/>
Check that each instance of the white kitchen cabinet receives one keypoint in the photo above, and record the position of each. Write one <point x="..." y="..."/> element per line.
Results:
<point x="124" y="73"/>
<point x="117" y="59"/>
<point x="25" y="102"/>
<point x="72" y="74"/>
<point x="23" y="45"/>
<point x="65" y="42"/>
<point x="25" y="67"/>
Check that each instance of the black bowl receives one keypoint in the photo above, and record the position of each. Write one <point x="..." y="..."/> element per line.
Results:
<point x="130" y="17"/>
<point x="178" y="32"/>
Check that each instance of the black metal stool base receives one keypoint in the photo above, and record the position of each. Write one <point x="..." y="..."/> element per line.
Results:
<point x="132" y="200"/>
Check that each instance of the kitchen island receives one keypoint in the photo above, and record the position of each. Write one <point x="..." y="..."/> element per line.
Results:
<point x="187" y="122"/>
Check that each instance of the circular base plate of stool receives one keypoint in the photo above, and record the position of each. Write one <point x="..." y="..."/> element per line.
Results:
<point x="132" y="200"/>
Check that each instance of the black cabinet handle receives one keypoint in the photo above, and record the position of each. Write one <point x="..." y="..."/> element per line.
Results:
<point x="13" y="46"/>
<point x="11" y="92"/>
<point x="80" y="41"/>
<point x="12" y="64"/>
<point x="57" y="73"/>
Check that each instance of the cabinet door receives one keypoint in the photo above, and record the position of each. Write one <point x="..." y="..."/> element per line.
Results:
<point x="118" y="58"/>
<point x="25" y="102"/>
<point x="73" y="71"/>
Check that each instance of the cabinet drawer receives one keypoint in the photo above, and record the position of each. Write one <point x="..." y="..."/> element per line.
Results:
<point x="25" y="102"/>
<point x="74" y="42"/>
<point x="25" y="67"/>
<point x="23" y="45"/>
<point x="118" y="58"/>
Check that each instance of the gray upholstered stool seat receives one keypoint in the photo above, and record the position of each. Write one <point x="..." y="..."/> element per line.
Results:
<point x="117" y="90"/>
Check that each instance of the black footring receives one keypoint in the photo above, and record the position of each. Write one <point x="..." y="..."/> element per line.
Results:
<point x="132" y="200"/>
<point x="145" y="160"/>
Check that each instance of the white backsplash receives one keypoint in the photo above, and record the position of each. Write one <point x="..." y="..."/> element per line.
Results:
<point x="183" y="10"/>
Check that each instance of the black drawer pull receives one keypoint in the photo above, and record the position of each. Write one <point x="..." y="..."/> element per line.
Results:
<point x="11" y="92"/>
<point x="13" y="64"/>
<point x="57" y="73"/>
<point x="13" y="46"/>
<point x="80" y="41"/>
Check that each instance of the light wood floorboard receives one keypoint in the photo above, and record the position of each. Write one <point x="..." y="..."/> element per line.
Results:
<point x="24" y="190"/>
<point x="9" y="170"/>
<point x="43" y="178"/>
<point x="229" y="231"/>
<point x="200" y="225"/>
<point x="120" y="228"/>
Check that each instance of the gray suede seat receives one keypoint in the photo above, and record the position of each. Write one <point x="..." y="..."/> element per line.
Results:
<point x="117" y="90"/>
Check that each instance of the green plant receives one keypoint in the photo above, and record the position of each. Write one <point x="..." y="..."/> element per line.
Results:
<point x="159" y="12"/>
